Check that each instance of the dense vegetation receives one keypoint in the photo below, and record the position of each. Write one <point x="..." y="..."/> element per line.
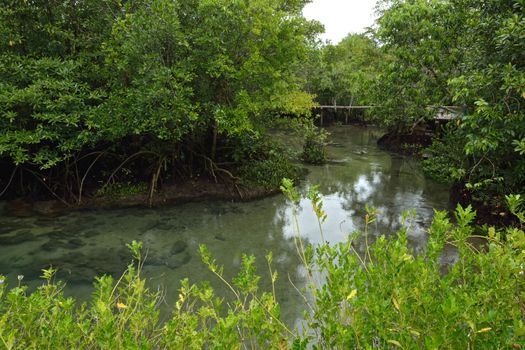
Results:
<point x="422" y="55"/>
<point x="107" y="97"/>
<point x="381" y="296"/>
<point x="102" y="91"/>
<point x="343" y="74"/>
<point x="468" y="54"/>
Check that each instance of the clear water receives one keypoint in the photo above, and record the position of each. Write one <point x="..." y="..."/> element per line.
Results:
<point x="88" y="243"/>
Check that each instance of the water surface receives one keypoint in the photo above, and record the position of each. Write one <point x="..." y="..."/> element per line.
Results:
<point x="88" y="243"/>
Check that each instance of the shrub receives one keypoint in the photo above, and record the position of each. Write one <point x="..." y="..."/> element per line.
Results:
<point x="390" y="297"/>
<point x="446" y="161"/>
<point x="269" y="166"/>
<point x="121" y="189"/>
<point x="314" y="146"/>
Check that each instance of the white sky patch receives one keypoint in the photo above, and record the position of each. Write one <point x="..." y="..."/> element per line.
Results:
<point x="341" y="17"/>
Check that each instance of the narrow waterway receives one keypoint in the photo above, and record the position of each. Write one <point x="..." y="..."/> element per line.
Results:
<point x="88" y="243"/>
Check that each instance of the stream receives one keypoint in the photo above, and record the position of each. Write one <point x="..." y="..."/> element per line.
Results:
<point x="87" y="243"/>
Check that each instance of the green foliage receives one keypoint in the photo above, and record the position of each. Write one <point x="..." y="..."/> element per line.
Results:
<point x="442" y="164"/>
<point x="404" y="300"/>
<point x="119" y="189"/>
<point x="169" y="80"/>
<point x="269" y="171"/>
<point x="314" y="151"/>
<point x="516" y="206"/>
<point x="422" y="40"/>
<point x="343" y="73"/>
<point x="288" y="189"/>
<point x="464" y="53"/>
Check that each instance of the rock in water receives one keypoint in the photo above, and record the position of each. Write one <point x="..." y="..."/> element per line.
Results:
<point x="178" y="247"/>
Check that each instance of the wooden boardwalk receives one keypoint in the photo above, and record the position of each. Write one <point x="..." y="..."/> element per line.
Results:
<point x="445" y="113"/>
<point x="345" y="107"/>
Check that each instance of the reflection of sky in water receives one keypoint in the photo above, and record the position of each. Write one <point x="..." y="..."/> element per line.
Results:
<point x="364" y="175"/>
<point x="83" y="244"/>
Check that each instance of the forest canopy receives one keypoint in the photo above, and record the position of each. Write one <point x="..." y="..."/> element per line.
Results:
<point x="178" y="86"/>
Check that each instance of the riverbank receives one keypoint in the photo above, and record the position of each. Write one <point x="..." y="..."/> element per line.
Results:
<point x="196" y="189"/>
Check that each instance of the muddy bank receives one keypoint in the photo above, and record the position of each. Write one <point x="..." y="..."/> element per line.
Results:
<point x="198" y="189"/>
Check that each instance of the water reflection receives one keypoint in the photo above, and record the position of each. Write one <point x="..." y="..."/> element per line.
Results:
<point x="84" y="244"/>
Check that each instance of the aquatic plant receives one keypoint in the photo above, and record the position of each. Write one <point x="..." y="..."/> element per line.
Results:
<point x="314" y="146"/>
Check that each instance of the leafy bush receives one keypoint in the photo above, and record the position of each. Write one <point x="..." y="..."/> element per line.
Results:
<point x="388" y="296"/>
<point x="119" y="189"/>
<point x="446" y="162"/>
<point x="269" y="172"/>
<point x="382" y="296"/>
<point x="314" y="146"/>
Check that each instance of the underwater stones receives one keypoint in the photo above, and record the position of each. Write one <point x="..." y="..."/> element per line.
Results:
<point x="77" y="274"/>
<point x="49" y="246"/>
<point x="65" y="232"/>
<point x="17" y="238"/>
<point x="177" y="256"/>
<point x="219" y="237"/>
<point x="58" y="234"/>
<point x="164" y="226"/>
<point x="55" y="244"/>
<point x="176" y="261"/>
<point x="85" y="220"/>
<point x="90" y="233"/>
<point x="7" y="228"/>
<point x="178" y="247"/>
<point x="171" y="261"/>
<point x="76" y="242"/>
<point x="48" y="208"/>
<point x="158" y="226"/>
<point x="106" y="261"/>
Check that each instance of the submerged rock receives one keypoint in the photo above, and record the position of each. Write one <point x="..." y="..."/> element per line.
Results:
<point x="173" y="261"/>
<point x="17" y="238"/>
<point x="178" y="260"/>
<point x="58" y="234"/>
<point x="219" y="237"/>
<point x="163" y="226"/>
<point x="177" y="256"/>
<point x="55" y="244"/>
<point x="90" y="233"/>
<point x="178" y="247"/>
<point x="8" y="228"/>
